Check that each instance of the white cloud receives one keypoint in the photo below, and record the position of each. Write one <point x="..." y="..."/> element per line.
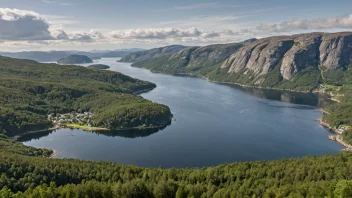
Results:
<point x="169" y="33"/>
<point x="23" y="25"/>
<point x="60" y="20"/>
<point x="155" y="33"/>
<point x="90" y="36"/>
<point x="342" y="22"/>
<point x="174" y="35"/>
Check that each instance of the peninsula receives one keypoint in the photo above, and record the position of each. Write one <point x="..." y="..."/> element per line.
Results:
<point x="109" y="96"/>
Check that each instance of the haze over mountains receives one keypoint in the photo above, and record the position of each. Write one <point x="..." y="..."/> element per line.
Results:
<point x="54" y="56"/>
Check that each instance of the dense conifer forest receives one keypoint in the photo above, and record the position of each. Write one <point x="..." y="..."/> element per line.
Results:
<point x="30" y="91"/>
<point x="37" y="176"/>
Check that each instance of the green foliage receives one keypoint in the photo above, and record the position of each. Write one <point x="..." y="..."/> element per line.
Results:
<point x="340" y="113"/>
<point x="193" y="60"/>
<point x="325" y="176"/>
<point x="30" y="91"/>
<point x="8" y="145"/>
<point x="333" y="76"/>
<point x="273" y="77"/>
<point x="347" y="136"/>
<point x="343" y="189"/>
<point x="305" y="80"/>
<point x="98" y="66"/>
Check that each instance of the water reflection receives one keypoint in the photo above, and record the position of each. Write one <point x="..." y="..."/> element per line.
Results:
<point x="34" y="136"/>
<point x="311" y="99"/>
<point x="135" y="133"/>
<point x="265" y="96"/>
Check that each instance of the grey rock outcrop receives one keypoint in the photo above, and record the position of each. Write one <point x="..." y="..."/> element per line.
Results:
<point x="336" y="50"/>
<point x="259" y="56"/>
<point x="293" y="53"/>
<point x="304" y="53"/>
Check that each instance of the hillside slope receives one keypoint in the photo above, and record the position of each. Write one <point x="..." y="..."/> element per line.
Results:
<point x="31" y="90"/>
<point x="297" y="62"/>
<point x="191" y="60"/>
<point x="146" y="54"/>
<point x="53" y="56"/>
<point x="75" y="59"/>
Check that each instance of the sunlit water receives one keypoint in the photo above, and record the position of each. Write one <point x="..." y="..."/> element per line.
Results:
<point x="212" y="124"/>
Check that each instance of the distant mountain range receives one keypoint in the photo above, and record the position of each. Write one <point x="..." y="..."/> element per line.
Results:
<point x="54" y="56"/>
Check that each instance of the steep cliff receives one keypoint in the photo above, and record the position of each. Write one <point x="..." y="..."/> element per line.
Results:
<point x="298" y="62"/>
<point x="147" y="54"/>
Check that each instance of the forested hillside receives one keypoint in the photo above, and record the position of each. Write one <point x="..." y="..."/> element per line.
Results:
<point x="31" y="90"/>
<point x="155" y="52"/>
<point x="24" y="176"/>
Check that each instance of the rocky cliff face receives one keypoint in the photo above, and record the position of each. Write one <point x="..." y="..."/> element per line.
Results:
<point x="299" y="61"/>
<point x="147" y="54"/>
<point x="336" y="50"/>
<point x="259" y="56"/>
<point x="292" y="54"/>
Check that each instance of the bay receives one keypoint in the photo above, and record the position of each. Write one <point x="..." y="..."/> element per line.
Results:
<point x="213" y="124"/>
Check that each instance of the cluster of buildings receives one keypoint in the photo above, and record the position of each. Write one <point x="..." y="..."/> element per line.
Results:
<point x="341" y="130"/>
<point x="320" y="86"/>
<point x="72" y="118"/>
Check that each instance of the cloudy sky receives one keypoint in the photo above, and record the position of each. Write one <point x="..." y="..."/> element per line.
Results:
<point x="116" y="24"/>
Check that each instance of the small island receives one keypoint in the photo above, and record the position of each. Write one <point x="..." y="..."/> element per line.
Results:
<point x="98" y="66"/>
<point x="75" y="59"/>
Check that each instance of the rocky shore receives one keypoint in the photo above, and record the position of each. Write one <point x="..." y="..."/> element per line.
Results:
<point x="339" y="138"/>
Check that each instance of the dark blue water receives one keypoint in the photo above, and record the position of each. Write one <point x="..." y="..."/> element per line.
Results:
<point x="213" y="124"/>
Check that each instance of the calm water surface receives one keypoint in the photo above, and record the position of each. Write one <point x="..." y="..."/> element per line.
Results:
<point x="213" y="124"/>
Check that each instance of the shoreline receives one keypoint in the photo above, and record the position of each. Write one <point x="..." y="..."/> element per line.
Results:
<point x="53" y="154"/>
<point x="230" y="83"/>
<point x="85" y="128"/>
<point x="339" y="139"/>
<point x="143" y="91"/>
<point x="16" y="137"/>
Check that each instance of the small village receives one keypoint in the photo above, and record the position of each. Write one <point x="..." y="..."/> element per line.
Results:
<point x="83" y="119"/>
